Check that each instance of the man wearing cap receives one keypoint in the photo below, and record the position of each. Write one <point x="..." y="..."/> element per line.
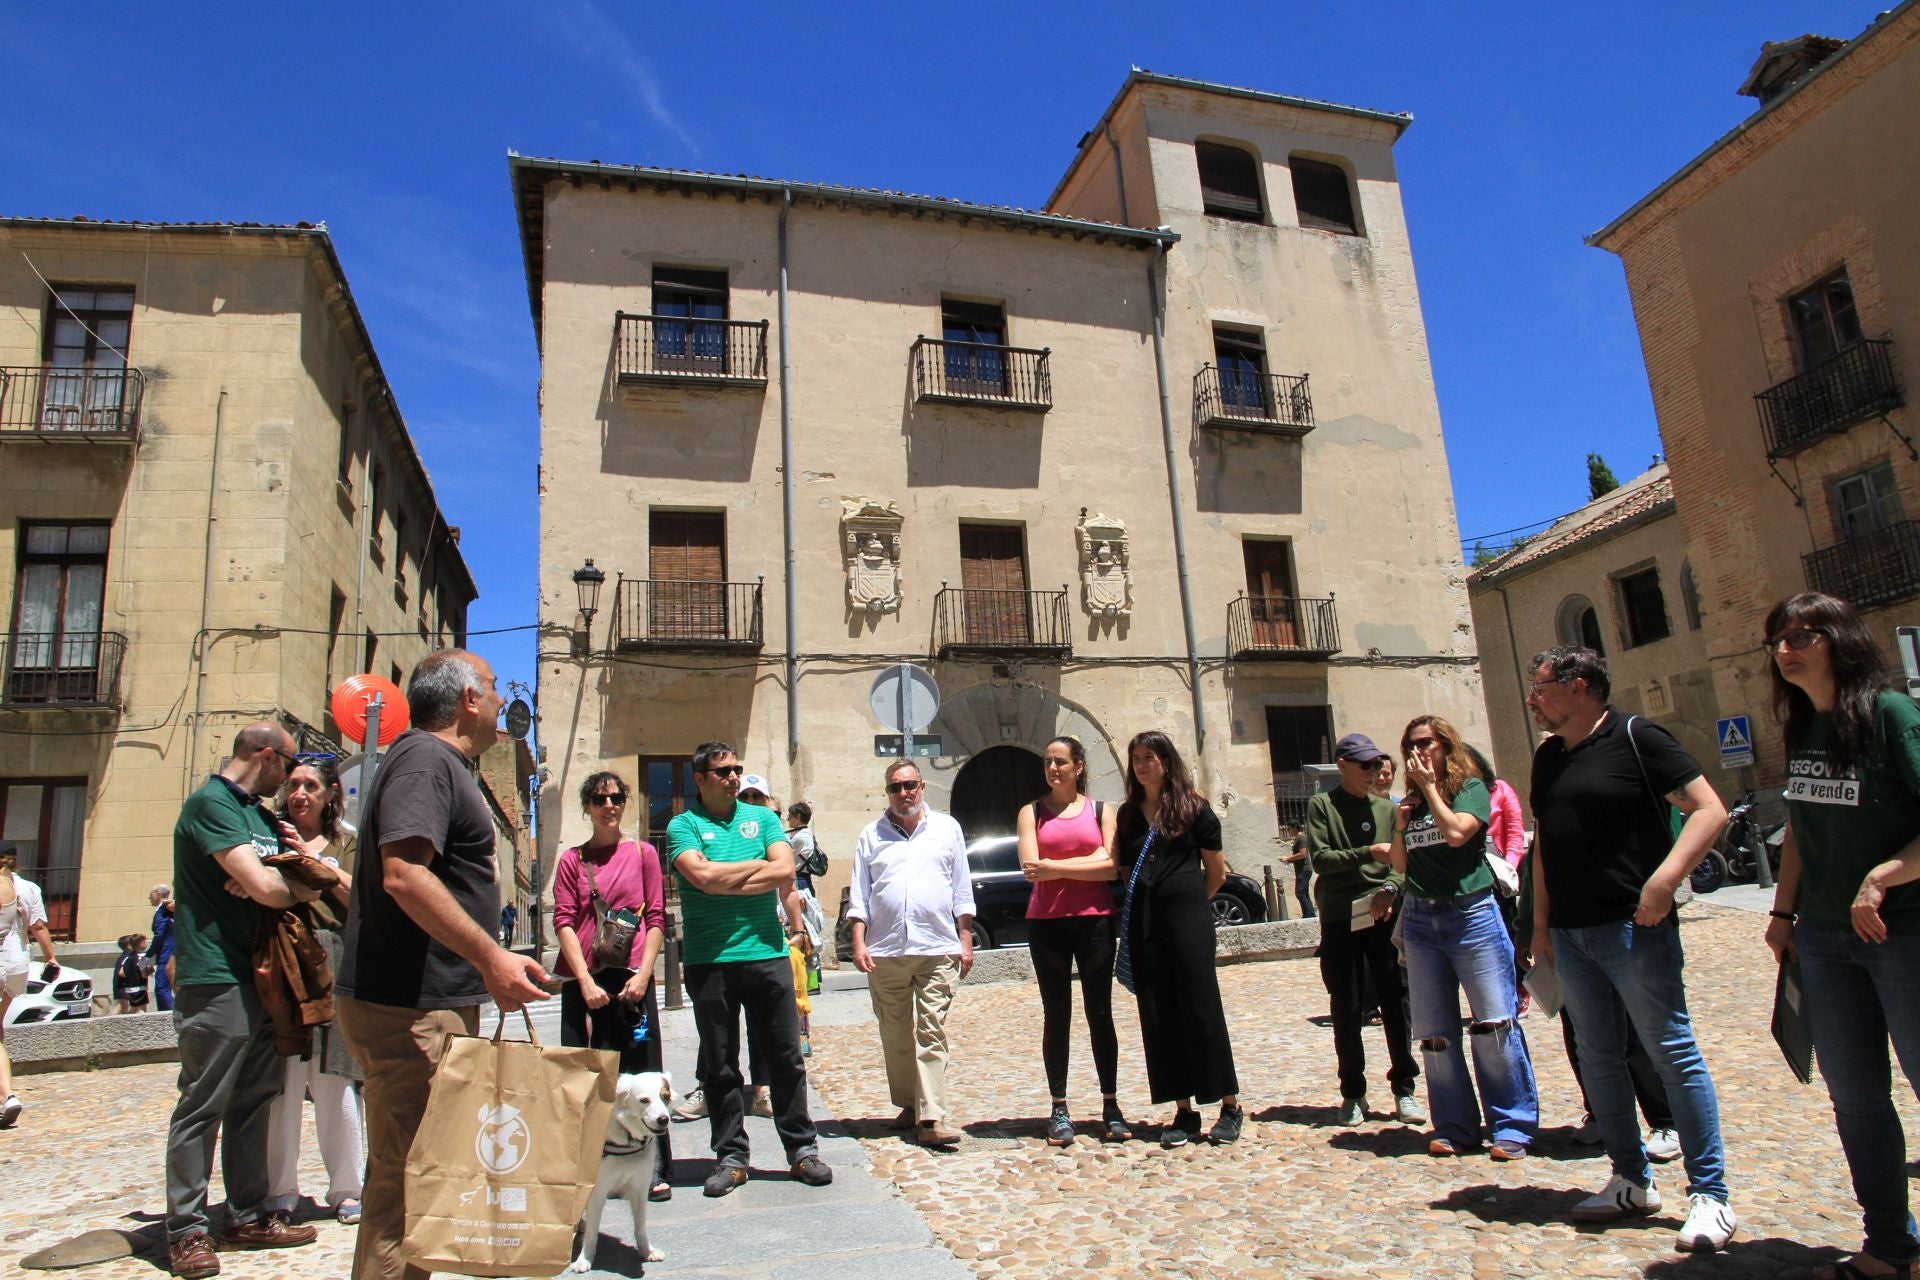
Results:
<point x="1349" y="830"/>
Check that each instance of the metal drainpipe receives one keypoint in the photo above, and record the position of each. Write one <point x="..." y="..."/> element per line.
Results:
<point x="786" y="494"/>
<point x="1173" y="499"/>
<point x="206" y="597"/>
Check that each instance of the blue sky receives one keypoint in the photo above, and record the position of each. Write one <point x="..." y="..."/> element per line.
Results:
<point x="1534" y="125"/>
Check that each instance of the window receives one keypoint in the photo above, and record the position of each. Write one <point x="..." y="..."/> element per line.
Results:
<point x="665" y="785"/>
<point x="1321" y="196"/>
<point x="993" y="577"/>
<point x="336" y="660"/>
<point x="1270" y="602"/>
<point x="44" y="819"/>
<point x="1229" y="182"/>
<point x="1689" y="595"/>
<point x="979" y="367"/>
<point x="687" y="561"/>
<point x="376" y="494"/>
<point x="1296" y="738"/>
<point x="87" y="331"/>
<point x="400" y="557"/>
<point x="398" y="682"/>
<point x="1578" y="623"/>
<point x="1241" y="356"/>
<point x="1824" y="319"/>
<point x="690" y="296"/>
<point x="1865" y="503"/>
<point x="55" y="651"/>
<point x="1643" y="608"/>
<point x="346" y="446"/>
<point x="372" y="652"/>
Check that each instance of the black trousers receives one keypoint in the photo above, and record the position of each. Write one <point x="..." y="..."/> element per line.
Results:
<point x="1351" y="963"/>
<point x="611" y="1026"/>
<point x="763" y="990"/>
<point x="1055" y="946"/>
<point x="1646" y="1077"/>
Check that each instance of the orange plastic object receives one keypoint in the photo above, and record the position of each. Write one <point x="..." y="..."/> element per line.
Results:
<point x="350" y="699"/>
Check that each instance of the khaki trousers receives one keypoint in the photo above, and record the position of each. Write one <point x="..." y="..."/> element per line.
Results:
<point x="398" y="1050"/>
<point x="911" y="996"/>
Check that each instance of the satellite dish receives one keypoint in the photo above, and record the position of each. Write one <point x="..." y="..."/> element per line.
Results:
<point x="349" y="706"/>
<point x="519" y="718"/>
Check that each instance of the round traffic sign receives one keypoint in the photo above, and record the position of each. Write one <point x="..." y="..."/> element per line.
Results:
<point x="905" y="698"/>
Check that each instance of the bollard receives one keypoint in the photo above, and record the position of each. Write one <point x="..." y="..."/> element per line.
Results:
<point x="676" y="994"/>
<point x="1276" y="902"/>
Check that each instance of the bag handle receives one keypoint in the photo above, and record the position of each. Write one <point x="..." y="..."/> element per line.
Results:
<point x="501" y="1025"/>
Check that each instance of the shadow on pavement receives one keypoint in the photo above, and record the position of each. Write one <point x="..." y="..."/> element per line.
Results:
<point x="1491" y="1202"/>
<point x="1765" y="1256"/>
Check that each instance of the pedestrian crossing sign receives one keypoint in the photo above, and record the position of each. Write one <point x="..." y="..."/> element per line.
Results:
<point x="1736" y="742"/>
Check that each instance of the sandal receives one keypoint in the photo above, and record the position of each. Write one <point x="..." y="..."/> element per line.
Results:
<point x="660" y="1191"/>
<point x="1845" y="1270"/>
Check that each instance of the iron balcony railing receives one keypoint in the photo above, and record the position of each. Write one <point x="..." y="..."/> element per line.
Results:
<point x="651" y="348"/>
<point x="982" y="373"/>
<point x="1282" y="627"/>
<point x="1873" y="569"/>
<point x="54" y="669"/>
<point x="1851" y="384"/>
<point x="1277" y="402"/>
<point x="995" y="621"/>
<point x="662" y="613"/>
<point x="71" y="404"/>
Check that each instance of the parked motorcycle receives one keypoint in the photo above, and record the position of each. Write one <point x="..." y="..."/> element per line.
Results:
<point x="1737" y="855"/>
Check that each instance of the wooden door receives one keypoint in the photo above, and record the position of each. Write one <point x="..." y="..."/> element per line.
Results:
<point x="1270" y="605"/>
<point x="687" y="562"/>
<point x="993" y="573"/>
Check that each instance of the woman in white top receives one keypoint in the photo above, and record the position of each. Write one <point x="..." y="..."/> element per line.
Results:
<point x="22" y="911"/>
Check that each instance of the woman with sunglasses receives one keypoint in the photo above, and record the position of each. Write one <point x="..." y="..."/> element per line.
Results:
<point x="1065" y="851"/>
<point x="1167" y="842"/>
<point x="1846" y="900"/>
<point x="613" y="883"/>
<point x="1455" y="939"/>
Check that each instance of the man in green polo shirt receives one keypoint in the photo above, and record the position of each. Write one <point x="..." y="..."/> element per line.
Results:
<point x="733" y="862"/>
<point x="229" y="1075"/>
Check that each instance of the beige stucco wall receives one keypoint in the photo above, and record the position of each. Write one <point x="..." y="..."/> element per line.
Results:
<point x="229" y="328"/>
<point x="1365" y="498"/>
<point x="1824" y="178"/>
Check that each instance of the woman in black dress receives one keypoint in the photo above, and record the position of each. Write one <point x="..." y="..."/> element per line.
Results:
<point x="1167" y="953"/>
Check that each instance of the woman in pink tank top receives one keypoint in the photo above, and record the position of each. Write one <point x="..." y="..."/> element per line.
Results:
<point x="1066" y="842"/>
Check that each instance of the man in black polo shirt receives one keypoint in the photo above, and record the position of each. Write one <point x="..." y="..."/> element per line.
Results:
<point x="1606" y="867"/>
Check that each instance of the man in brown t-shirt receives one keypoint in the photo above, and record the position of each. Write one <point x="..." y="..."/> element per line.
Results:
<point x="420" y="952"/>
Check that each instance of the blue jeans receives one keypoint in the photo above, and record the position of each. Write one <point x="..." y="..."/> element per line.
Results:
<point x="1858" y="994"/>
<point x="1608" y="969"/>
<point x="1456" y="943"/>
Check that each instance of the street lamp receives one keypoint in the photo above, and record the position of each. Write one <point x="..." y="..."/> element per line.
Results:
<point x="587" y="581"/>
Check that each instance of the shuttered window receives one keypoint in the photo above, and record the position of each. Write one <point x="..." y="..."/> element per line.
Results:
<point x="687" y="560"/>
<point x="1229" y="181"/>
<point x="1322" y="196"/>
<point x="993" y="571"/>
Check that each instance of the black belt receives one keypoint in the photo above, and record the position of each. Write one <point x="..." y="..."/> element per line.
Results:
<point x="1461" y="902"/>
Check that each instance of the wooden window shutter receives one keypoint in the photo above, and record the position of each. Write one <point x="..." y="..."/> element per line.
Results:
<point x="1229" y="181"/>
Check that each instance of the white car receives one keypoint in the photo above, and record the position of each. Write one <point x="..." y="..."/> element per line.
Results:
<point x="68" y="995"/>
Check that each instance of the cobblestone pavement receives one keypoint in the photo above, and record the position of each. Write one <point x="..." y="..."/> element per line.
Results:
<point x="1296" y="1197"/>
<point x="1301" y="1197"/>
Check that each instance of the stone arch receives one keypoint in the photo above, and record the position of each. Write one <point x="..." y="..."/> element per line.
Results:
<point x="984" y="716"/>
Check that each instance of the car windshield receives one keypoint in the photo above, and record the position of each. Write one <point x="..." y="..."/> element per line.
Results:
<point x="995" y="855"/>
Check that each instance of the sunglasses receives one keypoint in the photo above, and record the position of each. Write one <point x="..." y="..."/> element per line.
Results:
<point x="1371" y="766"/>
<point x="900" y="788"/>
<point x="607" y="797"/>
<point x="1423" y="744"/>
<point x="727" y="770"/>
<point x="1797" y="639"/>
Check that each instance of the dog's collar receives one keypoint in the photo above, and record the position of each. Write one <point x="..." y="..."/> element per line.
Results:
<point x="633" y="1145"/>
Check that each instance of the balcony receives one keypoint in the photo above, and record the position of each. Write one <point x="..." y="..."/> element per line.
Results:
<point x="1871" y="570"/>
<point x="1278" y="403"/>
<point x="71" y="404"/>
<point x="1001" y="622"/>
<point x="1282" y="628"/>
<point x="715" y="353"/>
<point x="1850" y="385"/>
<point x="690" y="616"/>
<point x="48" y="669"/>
<point x="982" y="373"/>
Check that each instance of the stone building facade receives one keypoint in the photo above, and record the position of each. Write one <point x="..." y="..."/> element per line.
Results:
<point x="210" y="511"/>
<point x="1613" y="576"/>
<point x="1776" y="284"/>
<point x="1164" y="454"/>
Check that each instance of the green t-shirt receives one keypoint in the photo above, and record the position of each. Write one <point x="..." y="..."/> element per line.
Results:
<point x="1435" y="869"/>
<point x="723" y="928"/>
<point x="1845" y="821"/>
<point x="212" y="929"/>
<point x="1342" y="828"/>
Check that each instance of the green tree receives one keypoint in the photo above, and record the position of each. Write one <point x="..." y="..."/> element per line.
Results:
<point x="1482" y="553"/>
<point x="1599" y="477"/>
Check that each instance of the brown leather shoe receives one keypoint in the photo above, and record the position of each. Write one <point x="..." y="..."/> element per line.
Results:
<point x="935" y="1133"/>
<point x="273" y="1231"/>
<point x="192" y="1257"/>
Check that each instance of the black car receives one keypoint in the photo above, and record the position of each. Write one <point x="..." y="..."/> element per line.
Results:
<point x="1000" y="894"/>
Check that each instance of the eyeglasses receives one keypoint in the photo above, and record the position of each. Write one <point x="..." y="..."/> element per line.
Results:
<point x="1797" y="639"/>
<point x="727" y="770"/>
<point x="1538" y="685"/>
<point x="1370" y="766"/>
<point x="286" y="757"/>
<point x="1423" y="744"/>
<point x="607" y="797"/>
<point x="901" y="787"/>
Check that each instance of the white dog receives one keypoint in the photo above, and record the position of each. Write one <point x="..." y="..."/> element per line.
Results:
<point x="640" y="1116"/>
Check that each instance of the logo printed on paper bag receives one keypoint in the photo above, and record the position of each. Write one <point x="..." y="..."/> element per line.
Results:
<point x="504" y="1139"/>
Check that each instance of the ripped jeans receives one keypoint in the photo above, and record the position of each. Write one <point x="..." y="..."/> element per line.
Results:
<point x="1461" y="943"/>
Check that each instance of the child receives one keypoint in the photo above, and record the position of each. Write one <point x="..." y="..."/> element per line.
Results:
<point x="129" y="979"/>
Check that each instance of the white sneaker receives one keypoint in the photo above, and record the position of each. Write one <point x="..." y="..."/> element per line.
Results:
<point x="1618" y="1199"/>
<point x="10" y="1111"/>
<point x="762" y="1103"/>
<point x="1710" y="1224"/>
<point x="694" y="1107"/>
<point x="1663" y="1145"/>
<point x="1353" y="1113"/>
<point x="1407" y="1110"/>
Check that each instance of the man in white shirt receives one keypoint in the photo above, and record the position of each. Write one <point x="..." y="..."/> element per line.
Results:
<point x="912" y="910"/>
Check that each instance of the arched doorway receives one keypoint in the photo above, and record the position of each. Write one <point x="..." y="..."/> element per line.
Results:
<point x="991" y="787"/>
